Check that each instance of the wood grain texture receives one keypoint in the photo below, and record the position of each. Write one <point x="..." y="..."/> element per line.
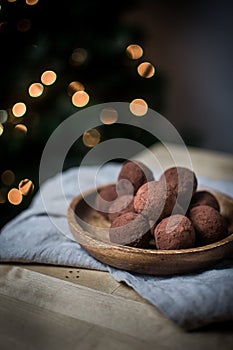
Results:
<point x="26" y="327"/>
<point x="96" y="280"/>
<point x="76" y="301"/>
<point x="42" y="312"/>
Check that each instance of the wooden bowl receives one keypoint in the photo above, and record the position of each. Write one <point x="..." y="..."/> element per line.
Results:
<point x="90" y="230"/>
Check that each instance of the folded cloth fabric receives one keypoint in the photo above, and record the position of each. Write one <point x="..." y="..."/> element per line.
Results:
<point x="41" y="234"/>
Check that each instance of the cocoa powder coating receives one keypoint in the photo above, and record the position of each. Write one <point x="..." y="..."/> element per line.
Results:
<point x="174" y="232"/>
<point x="155" y="200"/>
<point x="209" y="224"/>
<point x="108" y="194"/>
<point x="121" y="205"/>
<point x="184" y="183"/>
<point x="130" y="229"/>
<point x="204" y="198"/>
<point x="136" y="173"/>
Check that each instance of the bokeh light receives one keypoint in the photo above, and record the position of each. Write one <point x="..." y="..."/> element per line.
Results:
<point x="91" y="137"/>
<point x="24" y="25"/>
<point x="48" y="77"/>
<point x="21" y="128"/>
<point x="78" y="57"/>
<point x="146" y="70"/>
<point x="138" y="107"/>
<point x="108" y="116"/>
<point x="11" y="0"/>
<point x="19" y="109"/>
<point x="32" y="2"/>
<point x="26" y="187"/>
<point x="14" y="196"/>
<point x="35" y="90"/>
<point x="134" y="51"/>
<point x="8" y="177"/>
<point x="75" y="86"/>
<point x="1" y="129"/>
<point x="80" y="99"/>
<point x="3" y="116"/>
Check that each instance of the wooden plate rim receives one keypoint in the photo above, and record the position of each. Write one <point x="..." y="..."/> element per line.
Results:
<point x="73" y="223"/>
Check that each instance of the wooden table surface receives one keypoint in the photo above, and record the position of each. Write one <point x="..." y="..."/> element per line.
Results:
<point x="52" y="307"/>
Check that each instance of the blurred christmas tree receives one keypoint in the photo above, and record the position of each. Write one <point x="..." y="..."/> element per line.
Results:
<point x="77" y="45"/>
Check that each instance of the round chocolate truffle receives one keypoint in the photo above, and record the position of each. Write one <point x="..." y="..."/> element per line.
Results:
<point x="174" y="232"/>
<point x="178" y="209"/>
<point x="184" y="183"/>
<point x="155" y="200"/>
<point x="130" y="229"/>
<point x="122" y="205"/>
<point x="136" y="173"/>
<point x="204" y="198"/>
<point x="104" y="199"/>
<point x="209" y="224"/>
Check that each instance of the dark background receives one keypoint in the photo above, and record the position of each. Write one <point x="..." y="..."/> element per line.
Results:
<point x="189" y="43"/>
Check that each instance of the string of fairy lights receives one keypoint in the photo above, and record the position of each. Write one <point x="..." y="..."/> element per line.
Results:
<point x="79" y="97"/>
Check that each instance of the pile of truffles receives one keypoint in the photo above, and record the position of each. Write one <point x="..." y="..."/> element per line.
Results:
<point x="168" y="213"/>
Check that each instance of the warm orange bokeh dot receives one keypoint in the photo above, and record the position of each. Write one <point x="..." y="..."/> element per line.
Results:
<point x="32" y="2"/>
<point x="48" y="77"/>
<point x="19" y="109"/>
<point x="35" y="90"/>
<point x="22" y="128"/>
<point x="91" y="137"/>
<point x="80" y="99"/>
<point x="14" y="196"/>
<point x="134" y="51"/>
<point x="26" y="187"/>
<point x="75" y="86"/>
<point x="108" y="116"/>
<point x="8" y="177"/>
<point x="146" y="70"/>
<point x="138" y="107"/>
<point x="1" y="129"/>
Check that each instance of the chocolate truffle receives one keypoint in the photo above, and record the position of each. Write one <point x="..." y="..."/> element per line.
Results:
<point x="130" y="229"/>
<point x="184" y="183"/>
<point x="174" y="232"/>
<point x="204" y="198"/>
<point x="136" y="173"/>
<point x="121" y="205"/>
<point x="178" y="209"/>
<point x="104" y="199"/>
<point x="209" y="224"/>
<point x="155" y="200"/>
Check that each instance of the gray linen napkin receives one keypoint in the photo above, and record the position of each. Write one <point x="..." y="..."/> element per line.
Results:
<point x="191" y="300"/>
